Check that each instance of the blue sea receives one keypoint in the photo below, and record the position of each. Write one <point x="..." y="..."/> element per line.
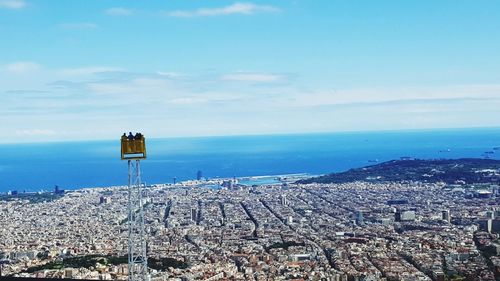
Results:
<point x="72" y="165"/>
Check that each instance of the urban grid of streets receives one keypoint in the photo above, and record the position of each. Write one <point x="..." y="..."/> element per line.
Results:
<point x="313" y="232"/>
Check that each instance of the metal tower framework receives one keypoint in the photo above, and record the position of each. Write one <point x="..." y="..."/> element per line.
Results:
<point x="137" y="258"/>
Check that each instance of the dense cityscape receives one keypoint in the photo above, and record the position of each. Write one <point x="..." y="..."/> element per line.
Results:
<point x="207" y="230"/>
<point x="257" y="140"/>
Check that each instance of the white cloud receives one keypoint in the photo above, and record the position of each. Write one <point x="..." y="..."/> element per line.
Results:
<point x="139" y="87"/>
<point x="35" y="132"/>
<point x="91" y="99"/>
<point x="377" y="96"/>
<point x="169" y="74"/>
<point x="253" y="77"/>
<point x="119" y="11"/>
<point x="90" y="70"/>
<point x="187" y="101"/>
<point x="79" y="25"/>
<point x="12" y="4"/>
<point x="21" y="67"/>
<point x="236" y="8"/>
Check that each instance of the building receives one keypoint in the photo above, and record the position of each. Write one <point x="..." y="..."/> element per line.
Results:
<point x="483" y="194"/>
<point x="397" y="201"/>
<point x="490" y="215"/>
<point x="283" y="200"/>
<point x="104" y="200"/>
<point x="194" y="214"/>
<point x="405" y="216"/>
<point x="359" y="218"/>
<point x="486" y="225"/>
<point x="445" y="215"/>
<point x="57" y="190"/>
<point x="228" y="184"/>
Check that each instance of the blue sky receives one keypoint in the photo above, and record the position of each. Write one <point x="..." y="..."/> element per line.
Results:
<point x="78" y="70"/>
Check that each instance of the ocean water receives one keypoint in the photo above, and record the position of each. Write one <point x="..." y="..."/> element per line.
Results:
<point x="71" y="165"/>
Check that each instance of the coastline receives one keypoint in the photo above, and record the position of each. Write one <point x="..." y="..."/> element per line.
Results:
<point x="246" y="180"/>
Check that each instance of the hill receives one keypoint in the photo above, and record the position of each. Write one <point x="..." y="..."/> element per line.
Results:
<point x="467" y="170"/>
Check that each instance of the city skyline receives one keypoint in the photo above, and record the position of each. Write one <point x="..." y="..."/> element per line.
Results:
<point x="178" y="68"/>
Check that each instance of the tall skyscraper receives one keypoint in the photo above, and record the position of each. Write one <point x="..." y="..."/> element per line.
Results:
<point x="359" y="218"/>
<point x="194" y="214"/>
<point x="490" y="215"/>
<point x="199" y="175"/>
<point x="283" y="200"/>
<point x="57" y="190"/>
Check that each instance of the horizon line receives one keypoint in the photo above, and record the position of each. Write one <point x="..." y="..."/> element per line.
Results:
<point x="263" y="134"/>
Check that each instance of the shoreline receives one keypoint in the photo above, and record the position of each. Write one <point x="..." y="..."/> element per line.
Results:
<point x="185" y="183"/>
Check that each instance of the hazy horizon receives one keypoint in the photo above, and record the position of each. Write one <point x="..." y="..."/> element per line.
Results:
<point x="449" y="129"/>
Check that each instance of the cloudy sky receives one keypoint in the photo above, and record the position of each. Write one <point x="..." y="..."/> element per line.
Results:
<point x="78" y="70"/>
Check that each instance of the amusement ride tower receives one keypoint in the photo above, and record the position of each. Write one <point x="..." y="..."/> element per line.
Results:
<point x="133" y="149"/>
